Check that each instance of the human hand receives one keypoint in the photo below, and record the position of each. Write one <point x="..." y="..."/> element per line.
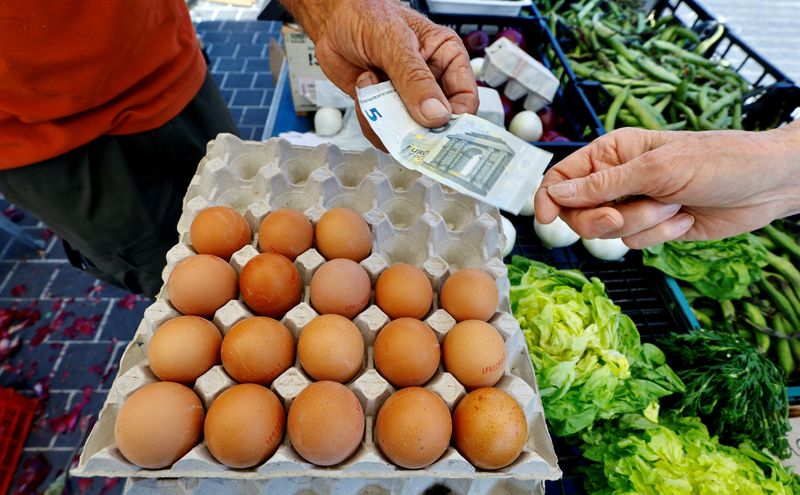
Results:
<point x="649" y="187"/>
<point x="360" y="41"/>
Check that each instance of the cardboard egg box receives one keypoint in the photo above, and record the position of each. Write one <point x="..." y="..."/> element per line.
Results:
<point x="413" y="220"/>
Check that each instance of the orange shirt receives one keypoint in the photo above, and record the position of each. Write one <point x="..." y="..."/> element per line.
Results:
<point x="71" y="71"/>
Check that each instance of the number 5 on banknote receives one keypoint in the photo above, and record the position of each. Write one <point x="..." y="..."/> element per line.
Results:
<point x="468" y="154"/>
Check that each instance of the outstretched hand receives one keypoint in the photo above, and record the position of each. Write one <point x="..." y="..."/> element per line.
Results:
<point x="649" y="187"/>
<point x="359" y="42"/>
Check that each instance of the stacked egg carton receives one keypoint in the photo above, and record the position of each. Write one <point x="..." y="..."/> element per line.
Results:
<point x="413" y="220"/>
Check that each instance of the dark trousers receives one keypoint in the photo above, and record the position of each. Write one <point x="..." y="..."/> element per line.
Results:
<point x="116" y="201"/>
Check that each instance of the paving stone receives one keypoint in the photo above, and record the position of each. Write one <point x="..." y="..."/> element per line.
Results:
<point x="71" y="282"/>
<point x="83" y="365"/>
<point x="29" y="278"/>
<point x="122" y="322"/>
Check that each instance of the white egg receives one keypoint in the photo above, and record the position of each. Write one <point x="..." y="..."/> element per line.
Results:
<point x="526" y="125"/>
<point x="606" y="249"/>
<point x="511" y="235"/>
<point x="477" y="66"/>
<point x="528" y="208"/>
<point x="556" y="234"/>
<point x="327" y="121"/>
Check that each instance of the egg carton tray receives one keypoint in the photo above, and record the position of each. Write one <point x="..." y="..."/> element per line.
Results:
<point x="413" y="220"/>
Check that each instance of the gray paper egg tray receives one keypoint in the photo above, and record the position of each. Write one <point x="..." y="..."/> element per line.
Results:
<point x="413" y="220"/>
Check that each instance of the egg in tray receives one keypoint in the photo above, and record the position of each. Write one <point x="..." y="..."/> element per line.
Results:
<point x="331" y="315"/>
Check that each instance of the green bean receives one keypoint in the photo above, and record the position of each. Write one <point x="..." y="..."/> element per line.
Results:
<point x="675" y="126"/>
<point x="706" y="44"/>
<point x="782" y="348"/>
<point x="684" y="54"/>
<point x="627" y="68"/>
<point x="629" y="120"/>
<point x="702" y="71"/>
<point x="683" y="87"/>
<point x="780" y="301"/>
<point x="672" y="113"/>
<point x="615" y="107"/>
<point x="606" y="63"/>
<point x="640" y="22"/>
<point x="666" y="34"/>
<point x="662" y="104"/>
<point x="723" y="122"/>
<point x="702" y="100"/>
<point x="720" y="104"/>
<point x="646" y="114"/>
<point x="587" y="8"/>
<point x="663" y="21"/>
<point x="706" y="125"/>
<point x="757" y="320"/>
<point x="655" y="70"/>
<point x="687" y="34"/>
<point x="655" y="89"/>
<point x="689" y="113"/>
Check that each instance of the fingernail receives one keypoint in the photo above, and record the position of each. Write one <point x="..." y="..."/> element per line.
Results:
<point x="564" y="189"/>
<point x="684" y="221"/>
<point x="366" y="79"/>
<point x="606" y="224"/>
<point x="671" y="209"/>
<point x="433" y="109"/>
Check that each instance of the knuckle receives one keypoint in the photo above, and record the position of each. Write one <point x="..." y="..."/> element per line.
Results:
<point x="599" y="181"/>
<point x="416" y="73"/>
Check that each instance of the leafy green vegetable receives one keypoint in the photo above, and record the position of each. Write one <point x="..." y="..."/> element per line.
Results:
<point x="739" y="393"/>
<point x="724" y="269"/>
<point x="589" y="361"/>
<point x="677" y="456"/>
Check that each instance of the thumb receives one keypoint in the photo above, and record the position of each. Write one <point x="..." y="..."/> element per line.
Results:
<point x="600" y="187"/>
<point x="418" y="88"/>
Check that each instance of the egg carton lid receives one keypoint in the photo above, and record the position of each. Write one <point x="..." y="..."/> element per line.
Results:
<point x="247" y="176"/>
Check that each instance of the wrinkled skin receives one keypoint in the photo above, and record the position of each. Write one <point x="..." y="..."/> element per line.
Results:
<point x="649" y="187"/>
<point x="365" y="41"/>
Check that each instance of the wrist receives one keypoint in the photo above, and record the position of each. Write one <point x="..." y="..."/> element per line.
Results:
<point x="786" y="142"/>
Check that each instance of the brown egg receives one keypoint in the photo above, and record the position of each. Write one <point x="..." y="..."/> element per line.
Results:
<point x="257" y="350"/>
<point x="340" y="287"/>
<point x="244" y="425"/>
<point x="343" y="233"/>
<point x="270" y="285"/>
<point x="287" y="232"/>
<point x="326" y="423"/>
<point x="330" y="347"/>
<point x="489" y="428"/>
<point x="220" y="231"/>
<point x="201" y="284"/>
<point x="406" y="352"/>
<point x="469" y="294"/>
<point x="413" y="428"/>
<point x="159" y="424"/>
<point x="404" y="290"/>
<point x="475" y="354"/>
<point x="184" y="348"/>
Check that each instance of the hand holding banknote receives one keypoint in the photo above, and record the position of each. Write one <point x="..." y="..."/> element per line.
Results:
<point x="357" y="39"/>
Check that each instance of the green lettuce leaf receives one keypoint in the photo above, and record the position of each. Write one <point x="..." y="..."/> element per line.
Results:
<point x="588" y="357"/>
<point x="636" y="454"/>
<point x="721" y="270"/>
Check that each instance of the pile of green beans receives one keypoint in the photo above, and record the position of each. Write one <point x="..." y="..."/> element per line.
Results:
<point x="653" y="69"/>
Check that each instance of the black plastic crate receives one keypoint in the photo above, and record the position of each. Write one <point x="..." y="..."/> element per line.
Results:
<point x="569" y="103"/>
<point x="422" y="6"/>
<point x="774" y="98"/>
